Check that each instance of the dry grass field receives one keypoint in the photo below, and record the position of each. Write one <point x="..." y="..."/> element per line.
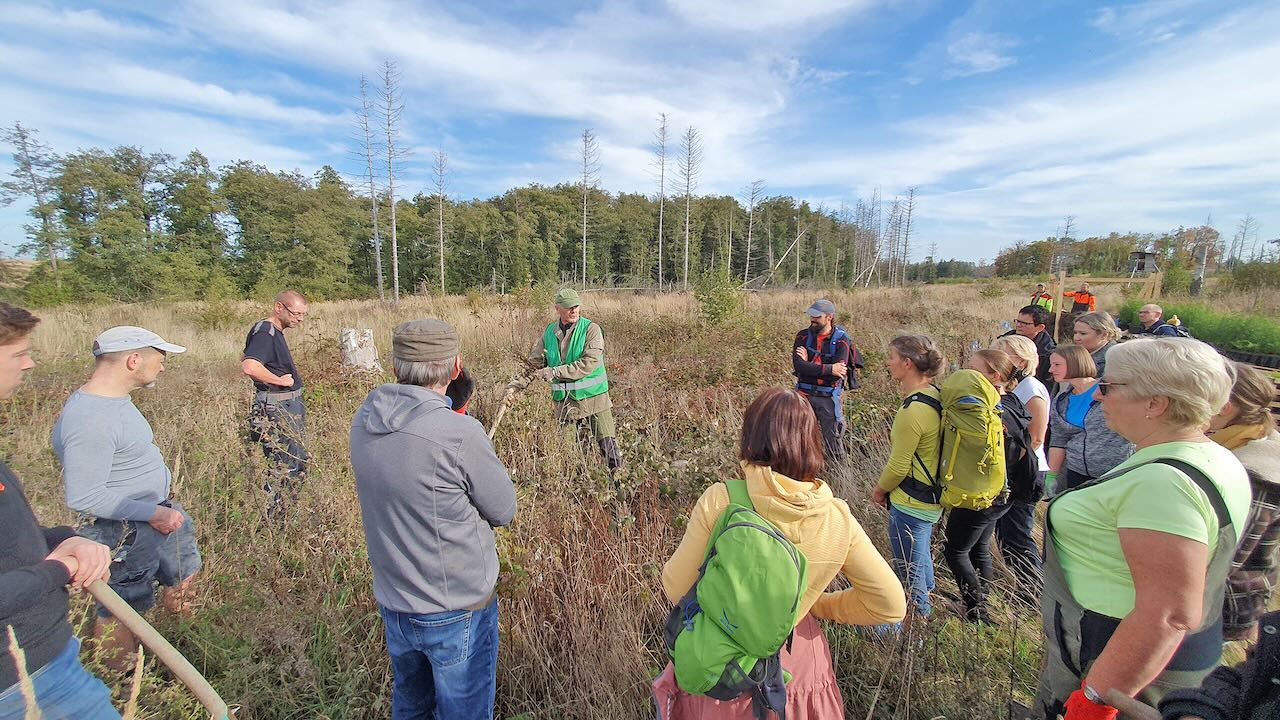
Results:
<point x="286" y="625"/>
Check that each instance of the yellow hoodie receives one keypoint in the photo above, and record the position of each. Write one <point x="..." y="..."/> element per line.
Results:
<point x="822" y="528"/>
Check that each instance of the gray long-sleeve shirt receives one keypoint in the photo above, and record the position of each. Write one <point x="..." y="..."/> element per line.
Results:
<point x="431" y="491"/>
<point x="111" y="466"/>
<point x="1092" y="450"/>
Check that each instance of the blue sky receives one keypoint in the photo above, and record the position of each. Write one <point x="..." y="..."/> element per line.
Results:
<point x="1007" y="115"/>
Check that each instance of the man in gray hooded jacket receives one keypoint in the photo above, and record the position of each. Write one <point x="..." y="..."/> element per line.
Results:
<point x="431" y="491"/>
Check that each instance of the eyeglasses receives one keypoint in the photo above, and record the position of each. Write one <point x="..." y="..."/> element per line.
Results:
<point x="1102" y="387"/>
<point x="297" y="314"/>
<point x="1023" y="323"/>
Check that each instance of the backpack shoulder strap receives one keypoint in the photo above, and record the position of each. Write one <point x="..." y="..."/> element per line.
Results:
<point x="738" y="494"/>
<point x="920" y="397"/>
<point x="1211" y="491"/>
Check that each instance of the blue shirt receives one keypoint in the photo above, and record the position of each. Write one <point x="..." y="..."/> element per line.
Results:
<point x="1078" y="406"/>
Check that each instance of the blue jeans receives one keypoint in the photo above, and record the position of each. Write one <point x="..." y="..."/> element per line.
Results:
<point x="445" y="664"/>
<point x="64" y="691"/>
<point x="909" y="539"/>
<point x="142" y="557"/>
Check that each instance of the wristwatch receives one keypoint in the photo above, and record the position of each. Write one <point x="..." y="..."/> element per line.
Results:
<point x="1092" y="695"/>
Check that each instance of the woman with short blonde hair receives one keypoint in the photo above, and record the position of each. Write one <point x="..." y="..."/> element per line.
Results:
<point x="1136" y="560"/>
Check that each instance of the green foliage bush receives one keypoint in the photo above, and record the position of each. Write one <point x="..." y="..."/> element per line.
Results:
<point x="719" y="297"/>
<point x="1229" y="331"/>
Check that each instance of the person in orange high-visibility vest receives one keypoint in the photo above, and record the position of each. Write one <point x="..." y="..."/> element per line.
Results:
<point x="1083" y="300"/>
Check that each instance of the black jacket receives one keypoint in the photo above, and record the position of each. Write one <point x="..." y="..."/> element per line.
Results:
<point x="1248" y="691"/>
<point x="33" y="591"/>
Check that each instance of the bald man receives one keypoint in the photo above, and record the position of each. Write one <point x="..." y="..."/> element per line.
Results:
<point x="277" y="417"/>
<point x="1151" y="322"/>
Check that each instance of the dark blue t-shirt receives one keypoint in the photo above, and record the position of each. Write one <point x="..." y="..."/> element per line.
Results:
<point x="265" y="343"/>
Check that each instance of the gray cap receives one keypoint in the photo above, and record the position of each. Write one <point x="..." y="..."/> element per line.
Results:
<point x="128" y="337"/>
<point x="425" y="340"/>
<point x="822" y="307"/>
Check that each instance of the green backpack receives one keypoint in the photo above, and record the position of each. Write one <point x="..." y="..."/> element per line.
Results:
<point x="971" y="469"/>
<point x="726" y="633"/>
<point x="972" y="460"/>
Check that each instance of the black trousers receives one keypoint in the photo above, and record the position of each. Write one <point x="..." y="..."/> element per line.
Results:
<point x="831" y="422"/>
<point x="967" y="549"/>
<point x="1019" y="549"/>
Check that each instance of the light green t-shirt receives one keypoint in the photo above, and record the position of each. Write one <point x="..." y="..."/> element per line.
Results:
<point x="1152" y="497"/>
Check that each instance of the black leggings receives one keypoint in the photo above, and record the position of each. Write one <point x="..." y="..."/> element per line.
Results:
<point x="967" y="549"/>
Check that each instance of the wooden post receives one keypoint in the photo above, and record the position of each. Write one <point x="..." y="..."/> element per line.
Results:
<point x="358" y="350"/>
<point x="1061" y="284"/>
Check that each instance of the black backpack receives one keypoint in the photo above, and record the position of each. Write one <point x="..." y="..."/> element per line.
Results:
<point x="1022" y="469"/>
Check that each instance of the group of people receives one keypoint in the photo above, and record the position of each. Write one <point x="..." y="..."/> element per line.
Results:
<point x="430" y="487"/>
<point x="1157" y="456"/>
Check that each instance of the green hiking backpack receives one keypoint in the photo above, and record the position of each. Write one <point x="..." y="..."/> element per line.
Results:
<point x="725" y="635"/>
<point x="972" y="461"/>
<point x="971" y="465"/>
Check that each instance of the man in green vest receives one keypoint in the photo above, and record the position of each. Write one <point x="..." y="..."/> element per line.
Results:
<point x="570" y="356"/>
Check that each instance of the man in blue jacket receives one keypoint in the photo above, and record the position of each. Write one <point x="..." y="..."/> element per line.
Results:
<point x="824" y="361"/>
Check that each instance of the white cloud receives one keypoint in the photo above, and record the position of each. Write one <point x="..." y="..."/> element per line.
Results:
<point x="1149" y="20"/>
<point x="67" y="21"/>
<point x="761" y="16"/>
<point x="975" y="53"/>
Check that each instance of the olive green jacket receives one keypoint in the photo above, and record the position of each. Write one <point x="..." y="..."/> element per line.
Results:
<point x="592" y="357"/>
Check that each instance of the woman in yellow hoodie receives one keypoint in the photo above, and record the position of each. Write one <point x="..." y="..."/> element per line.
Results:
<point x="781" y="455"/>
<point x="907" y="486"/>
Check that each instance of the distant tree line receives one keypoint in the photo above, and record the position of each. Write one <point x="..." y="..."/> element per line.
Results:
<point x="130" y="225"/>
<point x="1182" y="254"/>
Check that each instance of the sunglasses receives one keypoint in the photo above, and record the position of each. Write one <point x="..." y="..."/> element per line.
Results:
<point x="1102" y="387"/>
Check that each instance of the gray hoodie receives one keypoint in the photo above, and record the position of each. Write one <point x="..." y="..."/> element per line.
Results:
<point x="431" y="491"/>
<point x="1092" y="450"/>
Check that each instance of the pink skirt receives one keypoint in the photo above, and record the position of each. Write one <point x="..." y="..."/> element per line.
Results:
<point x="812" y="693"/>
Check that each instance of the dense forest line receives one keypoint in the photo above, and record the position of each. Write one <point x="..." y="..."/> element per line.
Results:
<point x="128" y="225"/>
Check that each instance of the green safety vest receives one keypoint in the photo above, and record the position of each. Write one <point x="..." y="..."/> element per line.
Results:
<point x="1043" y="300"/>
<point x="597" y="383"/>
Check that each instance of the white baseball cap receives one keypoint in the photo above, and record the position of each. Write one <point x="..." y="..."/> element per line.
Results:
<point x="129" y="337"/>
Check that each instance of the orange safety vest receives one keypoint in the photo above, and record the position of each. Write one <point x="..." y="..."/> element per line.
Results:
<point x="1083" y="301"/>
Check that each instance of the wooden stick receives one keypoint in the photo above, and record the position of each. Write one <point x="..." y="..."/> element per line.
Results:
<point x="168" y="654"/>
<point x="1130" y="708"/>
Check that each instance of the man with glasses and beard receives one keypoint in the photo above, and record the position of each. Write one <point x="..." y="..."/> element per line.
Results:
<point x="277" y="417"/>
<point x="823" y="359"/>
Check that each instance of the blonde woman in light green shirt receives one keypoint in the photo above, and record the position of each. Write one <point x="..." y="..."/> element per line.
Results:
<point x="1136" y="560"/>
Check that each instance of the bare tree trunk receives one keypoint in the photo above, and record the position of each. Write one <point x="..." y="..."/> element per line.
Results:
<point x="660" y="157"/>
<point x="365" y="129"/>
<point x="690" y="167"/>
<point x="728" y="257"/>
<point x="908" y="207"/>
<point x="754" y="191"/>
<point x="392" y="112"/>
<point x="442" y="177"/>
<point x="590" y="179"/>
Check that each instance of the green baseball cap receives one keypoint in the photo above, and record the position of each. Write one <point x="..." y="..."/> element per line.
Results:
<point x="568" y="298"/>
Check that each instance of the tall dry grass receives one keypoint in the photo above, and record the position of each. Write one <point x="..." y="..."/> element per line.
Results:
<point x="287" y="626"/>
